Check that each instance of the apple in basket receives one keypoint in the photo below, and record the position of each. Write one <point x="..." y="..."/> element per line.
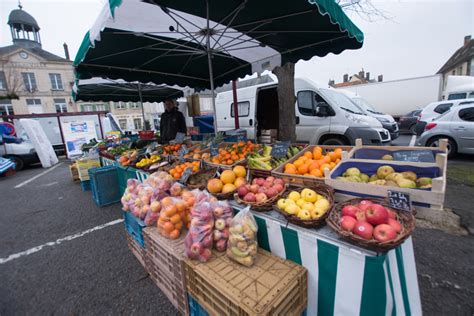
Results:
<point x="376" y="214"/>
<point x="363" y="229"/>
<point x="364" y="204"/>
<point x="348" y="222"/>
<point x="350" y="210"/>
<point x="384" y="232"/>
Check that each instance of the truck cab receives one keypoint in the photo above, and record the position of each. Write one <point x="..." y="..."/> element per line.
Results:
<point x="323" y="116"/>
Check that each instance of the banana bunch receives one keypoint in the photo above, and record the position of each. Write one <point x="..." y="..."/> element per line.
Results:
<point x="148" y="161"/>
<point x="265" y="161"/>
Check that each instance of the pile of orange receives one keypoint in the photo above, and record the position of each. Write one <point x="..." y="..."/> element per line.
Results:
<point x="178" y="170"/>
<point x="172" y="149"/>
<point x="193" y="153"/>
<point x="312" y="163"/>
<point x="175" y="214"/>
<point x="233" y="153"/>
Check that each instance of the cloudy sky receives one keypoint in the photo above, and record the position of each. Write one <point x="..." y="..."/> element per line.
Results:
<point x="416" y="40"/>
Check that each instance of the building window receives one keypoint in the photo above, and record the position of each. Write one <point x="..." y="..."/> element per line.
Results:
<point x="29" y="81"/>
<point x="61" y="106"/>
<point x="133" y="105"/>
<point x="34" y="106"/>
<point x="120" y="105"/>
<point x="6" y="108"/>
<point x="33" y="102"/>
<point x="137" y="123"/>
<point x="56" y="82"/>
<point x="123" y="123"/>
<point x="101" y="107"/>
<point x="3" y="81"/>
<point x="87" y="107"/>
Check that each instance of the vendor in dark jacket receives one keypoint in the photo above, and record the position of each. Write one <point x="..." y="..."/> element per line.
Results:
<point x="172" y="122"/>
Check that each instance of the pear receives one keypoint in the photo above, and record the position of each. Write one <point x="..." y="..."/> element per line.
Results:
<point x="384" y="171"/>
<point x="354" y="179"/>
<point x="393" y="176"/>
<point x="341" y="178"/>
<point x="378" y="182"/>
<point x="410" y="175"/>
<point x="352" y="172"/>
<point x="424" y="181"/>
<point x="364" y="177"/>
<point x="373" y="178"/>
<point x="387" y="157"/>
<point x="391" y="183"/>
<point x="406" y="183"/>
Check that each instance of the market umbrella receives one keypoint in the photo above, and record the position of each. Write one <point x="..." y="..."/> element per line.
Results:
<point x="187" y="42"/>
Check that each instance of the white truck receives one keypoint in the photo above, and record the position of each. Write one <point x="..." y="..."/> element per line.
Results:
<point x="323" y="115"/>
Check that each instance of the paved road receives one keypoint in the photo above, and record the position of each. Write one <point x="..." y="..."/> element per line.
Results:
<point x="97" y="274"/>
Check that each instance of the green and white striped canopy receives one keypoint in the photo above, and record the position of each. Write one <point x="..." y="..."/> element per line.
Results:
<point x="171" y="41"/>
<point x="98" y="89"/>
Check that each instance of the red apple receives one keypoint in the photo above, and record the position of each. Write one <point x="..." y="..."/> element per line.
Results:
<point x="271" y="192"/>
<point x="278" y="187"/>
<point x="270" y="179"/>
<point x="279" y="181"/>
<point x="360" y="216"/>
<point x="196" y="248"/>
<point x="267" y="184"/>
<point x="261" y="197"/>
<point x="254" y="188"/>
<point x="250" y="197"/>
<point x="348" y="222"/>
<point x="363" y="229"/>
<point x="242" y="191"/>
<point x="364" y="204"/>
<point x="376" y="214"/>
<point x="384" y="232"/>
<point x="254" y="181"/>
<point x="260" y="181"/>
<point x="391" y="214"/>
<point x="350" y="210"/>
<point x="395" y="224"/>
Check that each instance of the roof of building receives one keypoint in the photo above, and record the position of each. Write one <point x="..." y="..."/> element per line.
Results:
<point x="351" y="82"/>
<point x="463" y="54"/>
<point x="19" y="16"/>
<point x="34" y="50"/>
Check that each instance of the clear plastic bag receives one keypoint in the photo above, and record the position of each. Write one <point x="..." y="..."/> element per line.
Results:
<point x="242" y="244"/>
<point x="222" y="220"/>
<point x="198" y="241"/>
<point x="171" y="219"/>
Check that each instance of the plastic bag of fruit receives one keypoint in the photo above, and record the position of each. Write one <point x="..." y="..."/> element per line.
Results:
<point x="242" y="243"/>
<point x="176" y="189"/>
<point x="222" y="220"/>
<point x="171" y="219"/>
<point x="198" y="241"/>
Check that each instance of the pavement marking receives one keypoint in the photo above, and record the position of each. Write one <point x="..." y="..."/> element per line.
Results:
<point x="37" y="176"/>
<point x="412" y="141"/>
<point x="58" y="241"/>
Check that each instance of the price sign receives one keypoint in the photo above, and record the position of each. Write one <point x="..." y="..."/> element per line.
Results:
<point x="183" y="151"/>
<point x="218" y="174"/>
<point x="280" y="150"/>
<point x="214" y="149"/>
<point x="169" y="158"/>
<point x="414" y="155"/>
<point x="399" y="200"/>
<point x="179" y="138"/>
<point x="185" y="176"/>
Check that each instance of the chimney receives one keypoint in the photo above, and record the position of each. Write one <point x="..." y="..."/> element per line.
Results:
<point x="361" y="73"/>
<point x="467" y="38"/>
<point x="66" y="51"/>
<point x="367" y="76"/>
<point x="331" y="83"/>
<point x="345" y="78"/>
<point x="380" y="78"/>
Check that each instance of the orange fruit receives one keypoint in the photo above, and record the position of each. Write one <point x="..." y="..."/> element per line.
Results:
<point x="314" y="165"/>
<point x="303" y="169"/>
<point x="298" y="162"/>
<point x="290" y="171"/>
<point x="324" y="166"/>
<point x="176" y="218"/>
<point x="174" y="234"/>
<point x="338" y="152"/>
<point x="240" y="171"/>
<point x="316" y="173"/>
<point x="333" y="156"/>
<point x="168" y="227"/>
<point x="167" y="201"/>
<point x="215" y="185"/>
<point x="318" y="149"/>
<point x="317" y="154"/>
<point x="308" y="155"/>
<point x="180" y="207"/>
<point x="327" y="159"/>
<point x="338" y="160"/>
<point x="170" y="211"/>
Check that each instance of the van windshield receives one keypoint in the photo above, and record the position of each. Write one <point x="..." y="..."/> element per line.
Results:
<point x="340" y="100"/>
<point x="362" y="103"/>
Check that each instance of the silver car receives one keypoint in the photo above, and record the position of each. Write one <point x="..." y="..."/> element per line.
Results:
<point x="457" y="125"/>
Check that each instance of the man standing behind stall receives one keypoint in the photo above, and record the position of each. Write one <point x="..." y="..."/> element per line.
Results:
<point x="172" y="122"/>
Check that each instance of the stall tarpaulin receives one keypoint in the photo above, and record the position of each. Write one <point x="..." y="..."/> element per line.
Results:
<point x="40" y="142"/>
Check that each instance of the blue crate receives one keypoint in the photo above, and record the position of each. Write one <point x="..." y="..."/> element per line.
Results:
<point x="134" y="227"/>
<point x="194" y="308"/>
<point x="86" y="185"/>
<point x="105" y="185"/>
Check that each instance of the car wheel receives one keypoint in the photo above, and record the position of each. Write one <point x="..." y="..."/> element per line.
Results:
<point x="451" y="146"/>
<point x="19" y="163"/>
<point x="411" y="130"/>
<point x="334" y="141"/>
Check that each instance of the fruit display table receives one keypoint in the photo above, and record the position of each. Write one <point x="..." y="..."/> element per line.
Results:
<point x="342" y="278"/>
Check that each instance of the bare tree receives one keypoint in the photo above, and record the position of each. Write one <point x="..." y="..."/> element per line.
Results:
<point x="365" y="9"/>
<point x="14" y="84"/>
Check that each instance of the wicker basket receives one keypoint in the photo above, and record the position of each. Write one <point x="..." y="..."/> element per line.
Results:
<point x="320" y="188"/>
<point x="262" y="206"/>
<point x="210" y="171"/>
<point x="406" y="219"/>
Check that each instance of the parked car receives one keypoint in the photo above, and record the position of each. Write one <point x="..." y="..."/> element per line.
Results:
<point x="457" y="125"/>
<point x="19" y="150"/>
<point x="407" y="122"/>
<point x="435" y="109"/>
<point x="323" y="116"/>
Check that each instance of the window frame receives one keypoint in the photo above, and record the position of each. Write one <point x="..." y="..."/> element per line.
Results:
<point x="57" y="84"/>
<point x="121" y="121"/>
<point x="462" y="119"/>
<point x="238" y="104"/>
<point x="140" y="127"/>
<point x="3" y="81"/>
<point x="34" y="101"/>
<point x="29" y="81"/>
<point x="450" y="106"/>
<point x="120" y="105"/>
<point x="313" y="108"/>
<point x="62" y="105"/>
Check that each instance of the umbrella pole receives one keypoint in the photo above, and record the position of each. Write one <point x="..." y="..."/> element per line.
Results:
<point x="209" y="61"/>
<point x="141" y="103"/>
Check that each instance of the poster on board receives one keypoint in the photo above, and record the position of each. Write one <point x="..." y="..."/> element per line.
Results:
<point x="40" y="142"/>
<point x="76" y="134"/>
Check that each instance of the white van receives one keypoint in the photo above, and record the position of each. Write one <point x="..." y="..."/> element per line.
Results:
<point x="323" y="116"/>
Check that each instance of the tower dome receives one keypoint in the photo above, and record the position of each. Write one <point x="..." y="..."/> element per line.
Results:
<point x="24" y="28"/>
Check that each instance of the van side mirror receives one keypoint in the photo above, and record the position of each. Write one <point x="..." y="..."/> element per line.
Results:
<point x="323" y="109"/>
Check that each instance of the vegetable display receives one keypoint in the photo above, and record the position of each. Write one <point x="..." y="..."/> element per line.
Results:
<point x="265" y="161"/>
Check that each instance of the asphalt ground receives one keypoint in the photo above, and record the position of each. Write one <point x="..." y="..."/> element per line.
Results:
<point x="96" y="274"/>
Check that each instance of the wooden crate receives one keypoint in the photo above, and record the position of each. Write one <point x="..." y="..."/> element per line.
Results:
<point x="378" y="151"/>
<point x="74" y="173"/>
<point x="164" y="262"/>
<point x="272" y="286"/>
<point x="423" y="200"/>
<point x="137" y="250"/>
<point x="83" y="166"/>
<point x="299" y="180"/>
<point x="214" y="165"/>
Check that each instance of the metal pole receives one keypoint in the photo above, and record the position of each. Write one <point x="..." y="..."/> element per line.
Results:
<point x="100" y="126"/>
<point x="236" y="106"/>
<point x="61" y="131"/>
<point x="141" y="103"/>
<point x="209" y="61"/>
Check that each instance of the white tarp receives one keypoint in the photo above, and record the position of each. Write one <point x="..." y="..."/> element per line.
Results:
<point x="40" y="141"/>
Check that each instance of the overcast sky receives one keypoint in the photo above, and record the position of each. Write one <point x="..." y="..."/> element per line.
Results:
<point x="416" y="41"/>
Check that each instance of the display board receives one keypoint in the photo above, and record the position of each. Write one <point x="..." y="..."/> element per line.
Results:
<point x="76" y="134"/>
<point x="40" y="142"/>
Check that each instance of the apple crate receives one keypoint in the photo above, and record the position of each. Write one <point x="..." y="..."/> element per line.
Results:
<point x="299" y="180"/>
<point x="164" y="263"/>
<point x="136" y="249"/>
<point x="423" y="200"/>
<point x="423" y="155"/>
<point x="272" y="286"/>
